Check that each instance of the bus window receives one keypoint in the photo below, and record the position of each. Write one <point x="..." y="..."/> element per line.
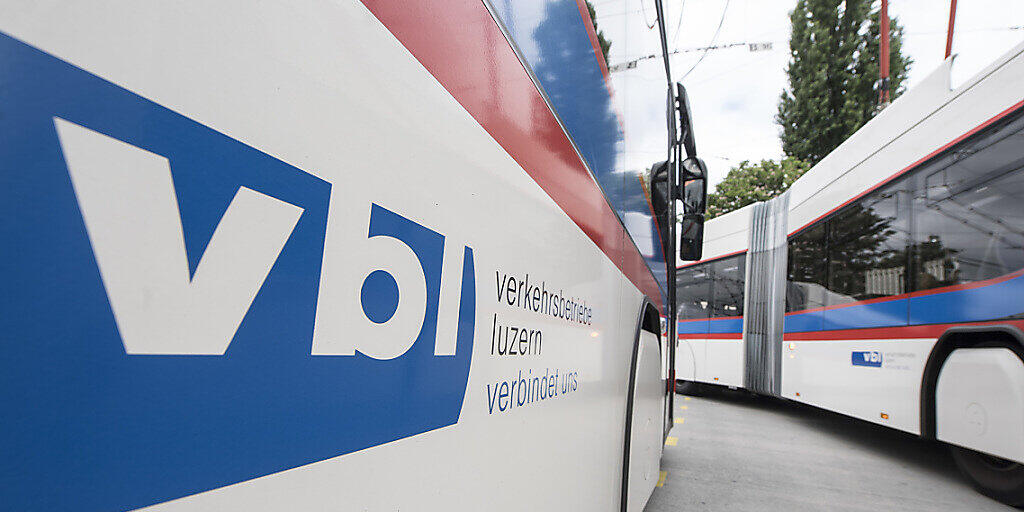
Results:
<point x="968" y="215"/>
<point x="867" y="248"/>
<point x="805" y="285"/>
<point x="693" y="293"/>
<point x="729" y="274"/>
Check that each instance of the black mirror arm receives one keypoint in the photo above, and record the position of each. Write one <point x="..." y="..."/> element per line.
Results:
<point x="685" y="121"/>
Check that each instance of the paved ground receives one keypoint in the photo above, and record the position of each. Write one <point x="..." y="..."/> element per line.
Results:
<point x="737" y="452"/>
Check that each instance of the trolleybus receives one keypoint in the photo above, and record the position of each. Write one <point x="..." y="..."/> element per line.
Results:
<point x="363" y="255"/>
<point x="887" y="284"/>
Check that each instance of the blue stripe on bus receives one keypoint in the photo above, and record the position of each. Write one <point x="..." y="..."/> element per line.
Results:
<point x="804" y="322"/>
<point x="998" y="300"/>
<point x="987" y="302"/>
<point x="693" y="327"/>
<point x="726" y="325"/>
<point x="720" y="325"/>
<point x="861" y="316"/>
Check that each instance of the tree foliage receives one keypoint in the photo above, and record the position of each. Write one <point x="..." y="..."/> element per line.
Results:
<point x="749" y="183"/>
<point x="601" y="39"/>
<point x="833" y="71"/>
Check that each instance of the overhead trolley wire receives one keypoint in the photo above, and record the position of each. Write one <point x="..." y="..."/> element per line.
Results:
<point x="679" y="24"/>
<point x="644" y="9"/>
<point x="713" y="39"/>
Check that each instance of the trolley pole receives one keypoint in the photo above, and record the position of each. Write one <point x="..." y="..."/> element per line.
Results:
<point x="883" y="65"/>
<point x="949" y="31"/>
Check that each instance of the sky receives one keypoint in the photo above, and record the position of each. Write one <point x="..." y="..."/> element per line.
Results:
<point x="734" y="92"/>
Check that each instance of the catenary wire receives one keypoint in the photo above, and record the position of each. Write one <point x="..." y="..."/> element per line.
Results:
<point x="713" y="39"/>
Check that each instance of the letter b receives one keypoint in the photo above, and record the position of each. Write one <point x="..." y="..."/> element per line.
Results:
<point x="399" y="296"/>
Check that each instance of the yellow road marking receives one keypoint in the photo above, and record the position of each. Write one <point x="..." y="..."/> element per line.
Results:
<point x="671" y="441"/>
<point x="662" y="477"/>
<point x="683" y="407"/>
<point x="686" y="398"/>
<point x="679" y="421"/>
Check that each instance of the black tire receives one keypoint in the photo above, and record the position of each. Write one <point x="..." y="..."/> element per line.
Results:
<point x="997" y="478"/>
<point x="686" y="387"/>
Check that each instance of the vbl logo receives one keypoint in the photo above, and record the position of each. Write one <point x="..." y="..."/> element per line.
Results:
<point x="127" y="199"/>
<point x="187" y="312"/>
<point x="866" y="358"/>
<point x="252" y="298"/>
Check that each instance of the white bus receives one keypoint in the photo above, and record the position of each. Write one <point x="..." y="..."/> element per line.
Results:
<point x="358" y="255"/>
<point x="888" y="283"/>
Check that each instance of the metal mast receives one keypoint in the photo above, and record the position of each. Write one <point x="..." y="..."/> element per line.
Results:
<point x="883" y="65"/>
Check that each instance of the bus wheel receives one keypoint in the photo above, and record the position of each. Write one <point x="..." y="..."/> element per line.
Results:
<point x="687" y="387"/>
<point x="992" y="476"/>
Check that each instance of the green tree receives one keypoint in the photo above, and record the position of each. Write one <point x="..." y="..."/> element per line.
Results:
<point x="601" y="40"/>
<point x="749" y="183"/>
<point x="832" y="73"/>
<point x="867" y="68"/>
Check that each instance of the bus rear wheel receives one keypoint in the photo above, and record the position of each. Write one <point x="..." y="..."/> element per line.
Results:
<point x="992" y="476"/>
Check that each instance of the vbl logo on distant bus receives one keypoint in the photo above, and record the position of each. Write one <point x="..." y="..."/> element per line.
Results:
<point x="871" y="358"/>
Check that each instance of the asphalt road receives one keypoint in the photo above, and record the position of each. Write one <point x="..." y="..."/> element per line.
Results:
<point x="737" y="452"/>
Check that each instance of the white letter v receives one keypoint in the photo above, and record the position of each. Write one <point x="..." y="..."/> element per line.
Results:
<point x="130" y="209"/>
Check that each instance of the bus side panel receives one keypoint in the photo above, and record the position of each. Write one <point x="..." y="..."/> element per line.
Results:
<point x="290" y="417"/>
<point x="874" y="380"/>
<point x="691" y="352"/>
<point x="690" y="359"/>
<point x="724" y="362"/>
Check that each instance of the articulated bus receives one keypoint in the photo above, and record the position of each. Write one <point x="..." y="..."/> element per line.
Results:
<point x="887" y="283"/>
<point x="358" y="255"/>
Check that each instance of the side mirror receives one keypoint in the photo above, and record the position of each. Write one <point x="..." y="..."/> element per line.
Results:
<point x="691" y="237"/>
<point x="695" y="196"/>
<point x="660" y="197"/>
<point x="685" y="121"/>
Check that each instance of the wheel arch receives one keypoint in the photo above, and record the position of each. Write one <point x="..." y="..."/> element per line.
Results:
<point x="648" y="319"/>
<point x="956" y="338"/>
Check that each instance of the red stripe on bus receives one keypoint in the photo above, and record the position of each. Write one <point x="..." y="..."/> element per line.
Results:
<point x="848" y="304"/>
<point x="693" y="320"/>
<point x="920" y="293"/>
<point x="716" y="258"/>
<point x="967" y="286"/>
<point x="712" y="336"/>
<point x="711" y="319"/>
<point x="889" y="333"/>
<point x="461" y="45"/>
<point x="910" y="167"/>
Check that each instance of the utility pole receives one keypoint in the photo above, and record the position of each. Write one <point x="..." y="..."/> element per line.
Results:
<point x="883" y="65"/>
<point x="949" y="32"/>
